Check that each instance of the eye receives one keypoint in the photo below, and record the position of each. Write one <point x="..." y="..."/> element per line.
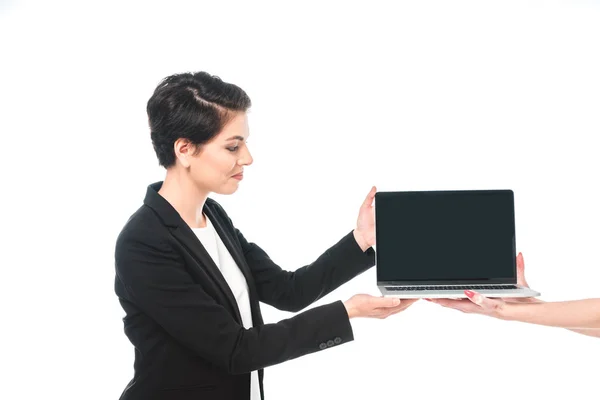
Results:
<point x="233" y="149"/>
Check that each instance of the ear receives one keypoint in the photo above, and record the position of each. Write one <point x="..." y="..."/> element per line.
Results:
<point x="184" y="150"/>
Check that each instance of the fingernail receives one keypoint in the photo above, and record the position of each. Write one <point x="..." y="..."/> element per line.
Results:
<point x="469" y="293"/>
<point x="396" y="302"/>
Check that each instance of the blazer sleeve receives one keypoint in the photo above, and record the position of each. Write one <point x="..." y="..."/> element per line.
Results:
<point x="295" y="290"/>
<point x="154" y="278"/>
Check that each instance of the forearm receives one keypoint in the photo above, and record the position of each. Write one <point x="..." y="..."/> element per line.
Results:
<point x="293" y="291"/>
<point x="593" y="332"/>
<point x="311" y="331"/>
<point x="339" y="264"/>
<point x="575" y="315"/>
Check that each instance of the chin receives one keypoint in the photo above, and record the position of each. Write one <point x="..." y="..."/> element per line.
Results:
<point x="227" y="189"/>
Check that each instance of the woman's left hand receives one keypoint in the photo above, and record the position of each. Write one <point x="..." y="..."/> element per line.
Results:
<point x="475" y="303"/>
<point x="365" y="224"/>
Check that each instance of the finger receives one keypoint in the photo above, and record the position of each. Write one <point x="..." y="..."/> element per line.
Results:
<point x="369" y="199"/>
<point x="385" y="302"/>
<point x="521" y="271"/>
<point x="515" y="299"/>
<point x="486" y="304"/>
<point x="511" y="299"/>
<point x="381" y="312"/>
<point x="463" y="305"/>
<point x="397" y="310"/>
<point x="403" y="306"/>
<point x="384" y="312"/>
<point x="408" y="302"/>
<point x="449" y="302"/>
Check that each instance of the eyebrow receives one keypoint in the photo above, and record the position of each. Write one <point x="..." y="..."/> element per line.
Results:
<point x="236" y="137"/>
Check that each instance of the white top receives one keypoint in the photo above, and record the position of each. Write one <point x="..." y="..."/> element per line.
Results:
<point x="237" y="282"/>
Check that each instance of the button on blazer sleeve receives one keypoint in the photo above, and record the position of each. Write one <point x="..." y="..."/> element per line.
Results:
<point x="154" y="278"/>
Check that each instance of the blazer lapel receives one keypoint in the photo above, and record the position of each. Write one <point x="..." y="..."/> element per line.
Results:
<point x="233" y="249"/>
<point x="189" y="239"/>
<point x="236" y="254"/>
<point x="182" y="232"/>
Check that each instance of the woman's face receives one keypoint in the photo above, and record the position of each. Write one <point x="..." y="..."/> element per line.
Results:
<point x="218" y="165"/>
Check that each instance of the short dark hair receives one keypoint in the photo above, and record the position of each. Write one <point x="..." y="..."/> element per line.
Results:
<point x="195" y="106"/>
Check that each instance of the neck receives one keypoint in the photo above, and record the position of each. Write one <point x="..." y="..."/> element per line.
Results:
<point x="185" y="197"/>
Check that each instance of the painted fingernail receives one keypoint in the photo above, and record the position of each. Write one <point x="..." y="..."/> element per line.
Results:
<point x="469" y="293"/>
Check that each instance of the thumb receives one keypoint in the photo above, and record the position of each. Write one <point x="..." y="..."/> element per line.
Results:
<point x="369" y="199"/>
<point x="521" y="271"/>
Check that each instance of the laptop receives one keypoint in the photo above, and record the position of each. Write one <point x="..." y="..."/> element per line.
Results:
<point x="437" y="244"/>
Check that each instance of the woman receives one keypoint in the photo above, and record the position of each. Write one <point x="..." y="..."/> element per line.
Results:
<point x="189" y="281"/>
<point x="581" y="316"/>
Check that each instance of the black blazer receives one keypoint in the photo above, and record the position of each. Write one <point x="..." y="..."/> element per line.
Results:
<point x="183" y="320"/>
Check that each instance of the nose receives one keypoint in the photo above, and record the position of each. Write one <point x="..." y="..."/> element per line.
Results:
<point x="246" y="158"/>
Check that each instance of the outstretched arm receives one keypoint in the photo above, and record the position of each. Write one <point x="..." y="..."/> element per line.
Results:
<point x="580" y="316"/>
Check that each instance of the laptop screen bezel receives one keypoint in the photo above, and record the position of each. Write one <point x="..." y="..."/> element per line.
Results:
<point x="475" y="281"/>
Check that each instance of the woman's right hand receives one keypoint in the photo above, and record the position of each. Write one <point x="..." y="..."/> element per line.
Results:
<point x="367" y="306"/>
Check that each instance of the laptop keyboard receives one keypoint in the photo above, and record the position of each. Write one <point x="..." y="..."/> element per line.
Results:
<point x="467" y="287"/>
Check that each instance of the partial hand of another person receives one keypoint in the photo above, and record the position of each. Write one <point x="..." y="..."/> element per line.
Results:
<point x="367" y="306"/>
<point x="475" y="303"/>
<point x="580" y="316"/>
<point x="365" y="224"/>
<point x="479" y="304"/>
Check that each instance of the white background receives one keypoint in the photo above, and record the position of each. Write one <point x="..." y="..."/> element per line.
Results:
<point x="402" y="95"/>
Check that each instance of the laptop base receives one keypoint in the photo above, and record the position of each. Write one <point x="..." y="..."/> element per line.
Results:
<point x="454" y="291"/>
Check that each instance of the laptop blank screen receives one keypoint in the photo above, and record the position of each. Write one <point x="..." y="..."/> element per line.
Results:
<point x="446" y="236"/>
